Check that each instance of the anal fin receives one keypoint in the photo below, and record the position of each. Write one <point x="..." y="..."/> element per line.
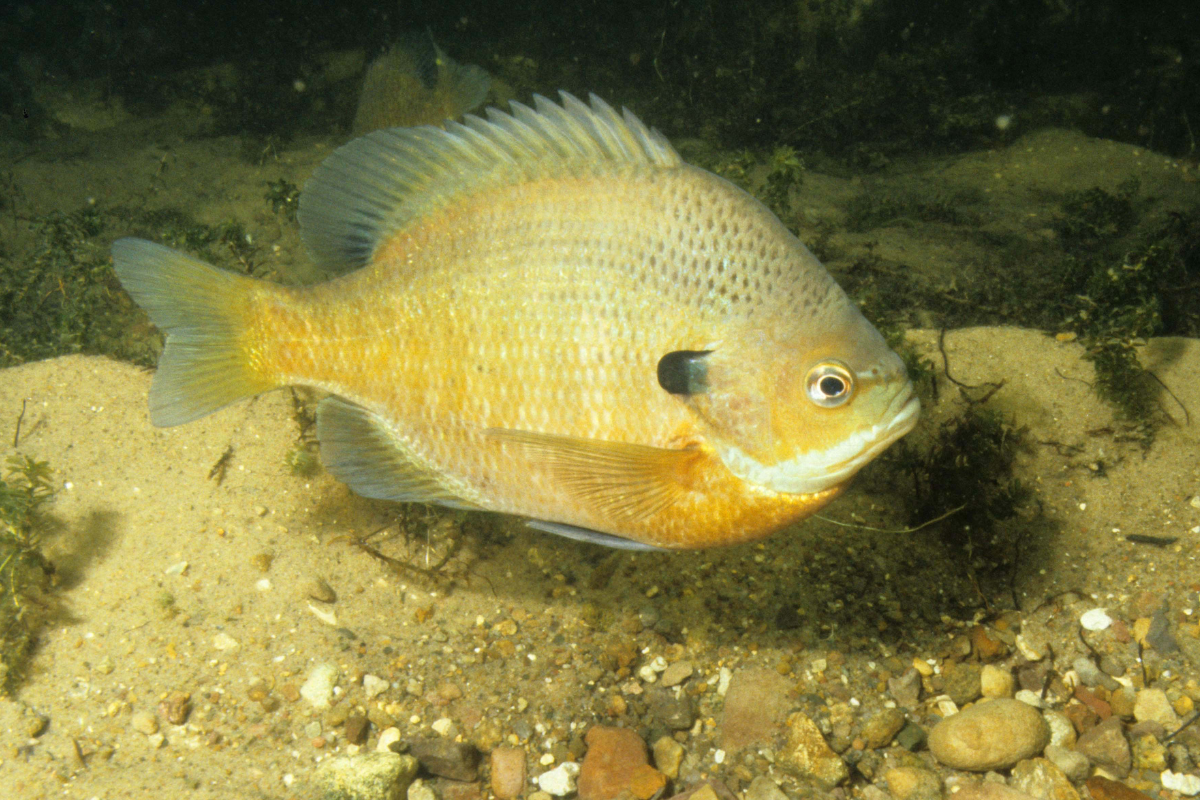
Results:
<point x="359" y="449"/>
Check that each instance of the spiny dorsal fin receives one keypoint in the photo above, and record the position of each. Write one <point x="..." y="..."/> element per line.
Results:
<point x="374" y="186"/>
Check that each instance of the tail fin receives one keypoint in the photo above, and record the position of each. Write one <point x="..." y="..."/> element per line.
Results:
<point x="204" y="312"/>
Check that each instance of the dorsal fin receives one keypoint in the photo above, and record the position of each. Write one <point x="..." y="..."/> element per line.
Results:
<point x="375" y="185"/>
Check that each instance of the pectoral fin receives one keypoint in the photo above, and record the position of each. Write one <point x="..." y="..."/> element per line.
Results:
<point x="622" y="482"/>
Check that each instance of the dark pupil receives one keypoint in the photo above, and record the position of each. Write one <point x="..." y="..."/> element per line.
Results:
<point x="831" y="386"/>
<point x="683" y="371"/>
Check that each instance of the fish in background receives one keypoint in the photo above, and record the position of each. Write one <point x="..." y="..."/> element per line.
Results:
<point x="546" y="313"/>
<point x="415" y="83"/>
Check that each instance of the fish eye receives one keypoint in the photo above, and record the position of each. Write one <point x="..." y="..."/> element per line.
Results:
<point x="829" y="384"/>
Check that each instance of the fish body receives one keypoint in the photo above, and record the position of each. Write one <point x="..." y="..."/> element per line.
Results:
<point x="549" y="315"/>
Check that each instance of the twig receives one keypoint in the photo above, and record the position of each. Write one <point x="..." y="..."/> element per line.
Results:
<point x="17" y="432"/>
<point x="925" y="524"/>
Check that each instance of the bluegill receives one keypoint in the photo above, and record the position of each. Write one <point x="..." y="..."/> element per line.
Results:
<point x="546" y="313"/>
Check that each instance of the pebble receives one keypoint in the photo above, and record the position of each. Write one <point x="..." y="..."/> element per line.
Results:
<point x="366" y="776"/>
<point x="1105" y="745"/>
<point x="387" y="738"/>
<point x="144" y="722"/>
<point x="1102" y="788"/>
<point x="420" y="790"/>
<point x="763" y="788"/>
<point x="1122" y="702"/>
<point x="1095" y="620"/>
<point x="1039" y="777"/>
<point x="1062" y="732"/>
<point x="807" y="755"/>
<point x="753" y="707"/>
<point x="224" y="642"/>
<point x="989" y="791"/>
<point x="906" y="689"/>
<point x="989" y="736"/>
<point x="913" y="783"/>
<point x="612" y="756"/>
<point x="646" y="782"/>
<point x="677" y="673"/>
<point x="1152" y="705"/>
<point x="1187" y="785"/>
<point x="176" y="707"/>
<point x="881" y="729"/>
<point x="1075" y="765"/>
<point x="373" y="686"/>
<point x="670" y="709"/>
<point x="357" y="727"/>
<point x="668" y="755"/>
<point x="560" y="781"/>
<point x="318" y="688"/>
<point x="962" y="683"/>
<point x="996" y="682"/>
<point x="508" y="772"/>
<point x="458" y="761"/>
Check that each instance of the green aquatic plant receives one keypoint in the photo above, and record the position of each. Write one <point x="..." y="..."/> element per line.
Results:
<point x="26" y="575"/>
<point x="284" y="198"/>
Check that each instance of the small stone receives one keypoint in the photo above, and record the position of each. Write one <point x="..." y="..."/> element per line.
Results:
<point x="670" y="709"/>
<point x="1107" y="747"/>
<point x="881" y="729"/>
<point x="986" y="646"/>
<point x="420" y="790"/>
<point x="1029" y="698"/>
<point x="35" y="723"/>
<point x="612" y="756"/>
<point x="763" y="788"/>
<point x="1074" y="764"/>
<point x="357" y="727"/>
<point x="646" y="782"/>
<point x="913" y="783"/>
<point x="754" y="705"/>
<point x="1040" y="778"/>
<point x="989" y="736"/>
<point x="1087" y="670"/>
<point x="989" y="791"/>
<point x="508" y="772"/>
<point x="1148" y="754"/>
<point x="320" y="591"/>
<point x="962" y="683"/>
<point x="458" y="761"/>
<point x="224" y="642"/>
<point x="144" y="722"/>
<point x="262" y="561"/>
<point x="807" y="755"/>
<point x="156" y="740"/>
<point x="1102" y="788"/>
<point x="318" y="688"/>
<point x="668" y="755"/>
<point x="677" y="673"/>
<point x="373" y="686"/>
<point x="996" y="682"/>
<point x="377" y="776"/>
<point x="1123" y="701"/>
<point x="176" y="707"/>
<point x="911" y="737"/>
<point x="1152" y="705"/>
<point x="387" y="738"/>
<point x="560" y="781"/>
<point x="906" y="689"/>
<point x="1186" y="785"/>
<point x="1095" y="620"/>
<point x="1062" y="731"/>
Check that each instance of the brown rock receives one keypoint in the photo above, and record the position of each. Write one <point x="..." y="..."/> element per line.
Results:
<point x="882" y="728"/>
<point x="508" y="772"/>
<point x="613" y="756"/>
<point x="1088" y="698"/>
<point x="1082" y="717"/>
<point x="357" y="726"/>
<point x="646" y="782"/>
<point x="807" y="755"/>
<point x="754" y="708"/>
<point x="1105" y="789"/>
<point x="986" y="647"/>
<point x="1040" y="778"/>
<point x="913" y="783"/>
<point x="1107" y="746"/>
<point x="176" y="707"/>
<point x="990" y="791"/>
<point x="989" y="736"/>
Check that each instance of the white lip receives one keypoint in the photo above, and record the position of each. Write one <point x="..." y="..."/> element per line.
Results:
<point x="817" y="471"/>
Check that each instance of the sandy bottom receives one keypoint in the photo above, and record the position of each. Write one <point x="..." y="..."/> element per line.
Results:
<point x="173" y="580"/>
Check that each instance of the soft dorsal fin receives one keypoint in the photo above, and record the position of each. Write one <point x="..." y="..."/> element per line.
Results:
<point x="375" y="185"/>
<point x="359" y="449"/>
<point x="624" y="483"/>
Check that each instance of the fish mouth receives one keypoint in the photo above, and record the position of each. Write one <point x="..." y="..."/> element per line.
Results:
<point x="813" y="472"/>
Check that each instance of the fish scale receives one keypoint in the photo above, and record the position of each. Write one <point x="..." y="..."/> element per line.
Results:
<point x="513" y="287"/>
